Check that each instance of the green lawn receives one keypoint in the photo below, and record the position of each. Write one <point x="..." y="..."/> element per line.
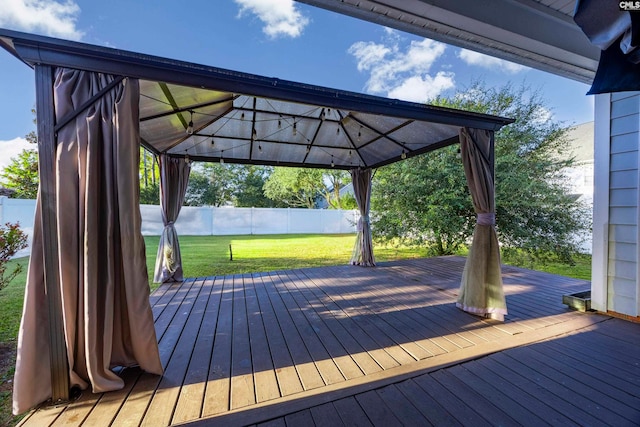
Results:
<point x="581" y="269"/>
<point x="11" y="302"/>
<point x="209" y="255"/>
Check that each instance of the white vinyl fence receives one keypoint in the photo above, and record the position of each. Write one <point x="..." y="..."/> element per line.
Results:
<point x="210" y="221"/>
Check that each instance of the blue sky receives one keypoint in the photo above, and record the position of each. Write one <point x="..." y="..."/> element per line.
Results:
<point x="275" y="38"/>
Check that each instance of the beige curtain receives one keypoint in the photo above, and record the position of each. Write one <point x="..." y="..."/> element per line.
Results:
<point x="481" y="289"/>
<point x="363" y="249"/>
<point x="174" y="178"/>
<point x="103" y="276"/>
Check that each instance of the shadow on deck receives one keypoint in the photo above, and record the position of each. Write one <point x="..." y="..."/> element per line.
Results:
<point x="384" y="346"/>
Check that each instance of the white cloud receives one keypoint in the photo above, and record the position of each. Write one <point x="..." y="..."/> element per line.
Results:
<point x="280" y="17"/>
<point x="48" y="17"/>
<point x="402" y="73"/>
<point x="12" y="148"/>
<point x="421" y="89"/>
<point x="485" y="61"/>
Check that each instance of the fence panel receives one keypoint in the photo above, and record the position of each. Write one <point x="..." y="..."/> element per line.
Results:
<point x="228" y="221"/>
<point x="210" y="221"/>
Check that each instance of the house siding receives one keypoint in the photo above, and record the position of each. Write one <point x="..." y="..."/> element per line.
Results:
<point x="622" y="260"/>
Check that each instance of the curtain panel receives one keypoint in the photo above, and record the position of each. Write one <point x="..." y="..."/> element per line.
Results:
<point x="481" y="290"/>
<point x="103" y="276"/>
<point x="363" y="250"/>
<point x="174" y="178"/>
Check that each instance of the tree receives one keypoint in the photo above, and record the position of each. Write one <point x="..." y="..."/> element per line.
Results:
<point x="302" y="187"/>
<point x="12" y="239"/>
<point x="21" y="175"/>
<point x="149" y="178"/>
<point x="150" y="194"/>
<point x="249" y="189"/>
<point x="294" y="187"/>
<point x="426" y="199"/>
<point x="210" y="184"/>
<point x="423" y="201"/>
<point x="336" y="180"/>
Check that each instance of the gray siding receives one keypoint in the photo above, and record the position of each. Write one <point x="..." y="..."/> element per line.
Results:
<point x="623" y="204"/>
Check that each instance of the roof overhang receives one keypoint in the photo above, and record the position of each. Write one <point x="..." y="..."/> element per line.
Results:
<point x="540" y="34"/>
<point x="245" y="118"/>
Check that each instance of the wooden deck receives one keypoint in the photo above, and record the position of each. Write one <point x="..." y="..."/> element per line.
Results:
<point x="372" y="346"/>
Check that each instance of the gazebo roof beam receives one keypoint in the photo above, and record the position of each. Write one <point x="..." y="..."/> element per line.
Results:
<point x="382" y="134"/>
<point x="34" y="49"/>
<point x="187" y="108"/>
<point x="349" y="138"/>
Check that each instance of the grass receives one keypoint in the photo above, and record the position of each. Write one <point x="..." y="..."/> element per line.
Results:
<point x="10" y="313"/>
<point x="209" y="255"/>
<point x="11" y="302"/>
<point x="581" y="269"/>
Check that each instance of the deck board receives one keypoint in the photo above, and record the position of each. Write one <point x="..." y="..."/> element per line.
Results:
<point x="334" y="350"/>
<point x="372" y="325"/>
<point x="529" y="393"/>
<point x="166" y="395"/>
<point x="425" y="321"/>
<point x="266" y="383"/>
<point x="189" y="405"/>
<point x="352" y="329"/>
<point x="472" y="399"/>
<point x="327" y="366"/>
<point x="352" y="413"/>
<point x="301" y="418"/>
<point x="216" y="397"/>
<point x="430" y="409"/>
<point x="401" y="406"/>
<point x="286" y="373"/>
<point x="520" y="414"/>
<point x="242" y="381"/>
<point x="450" y="402"/>
<point x="555" y="393"/>
<point x="345" y="341"/>
<point x="376" y="409"/>
<point x="347" y="345"/>
<point x="580" y="369"/>
<point x="309" y="374"/>
<point x="326" y="415"/>
<point x="616" y="412"/>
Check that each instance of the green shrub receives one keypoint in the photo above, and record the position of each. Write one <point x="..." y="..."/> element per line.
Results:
<point x="12" y="239"/>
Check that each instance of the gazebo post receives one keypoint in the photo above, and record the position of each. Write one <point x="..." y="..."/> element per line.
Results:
<point x="46" y="169"/>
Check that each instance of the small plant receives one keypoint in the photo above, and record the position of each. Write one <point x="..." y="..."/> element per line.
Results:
<point x="12" y="239"/>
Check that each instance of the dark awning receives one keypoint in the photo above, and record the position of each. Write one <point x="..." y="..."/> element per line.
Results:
<point x="245" y="118"/>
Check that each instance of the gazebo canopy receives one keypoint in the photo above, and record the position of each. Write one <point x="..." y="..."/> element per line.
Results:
<point x="95" y="105"/>
<point x="245" y="118"/>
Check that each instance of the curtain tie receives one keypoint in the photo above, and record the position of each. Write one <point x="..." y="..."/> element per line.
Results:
<point x="169" y="223"/>
<point x="486" y="218"/>
<point x="364" y="219"/>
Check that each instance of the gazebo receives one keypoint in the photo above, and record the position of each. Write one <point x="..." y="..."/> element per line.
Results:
<point x="86" y="303"/>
